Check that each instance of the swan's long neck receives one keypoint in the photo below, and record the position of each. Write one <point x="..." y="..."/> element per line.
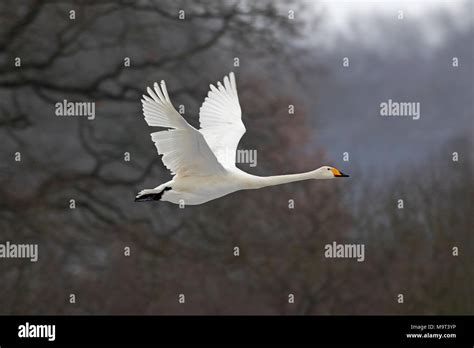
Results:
<point x="264" y="181"/>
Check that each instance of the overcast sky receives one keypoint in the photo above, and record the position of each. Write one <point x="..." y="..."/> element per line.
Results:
<point x="352" y="17"/>
<point x="406" y="61"/>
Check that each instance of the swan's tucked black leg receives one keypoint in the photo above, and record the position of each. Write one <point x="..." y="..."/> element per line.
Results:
<point x="152" y="196"/>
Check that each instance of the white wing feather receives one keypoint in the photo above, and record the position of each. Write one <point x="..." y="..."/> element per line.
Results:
<point x="184" y="149"/>
<point x="220" y="118"/>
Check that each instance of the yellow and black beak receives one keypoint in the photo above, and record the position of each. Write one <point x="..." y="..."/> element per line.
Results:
<point x="338" y="174"/>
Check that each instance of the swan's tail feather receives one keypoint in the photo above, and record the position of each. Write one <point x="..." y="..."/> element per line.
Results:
<point x="150" y="195"/>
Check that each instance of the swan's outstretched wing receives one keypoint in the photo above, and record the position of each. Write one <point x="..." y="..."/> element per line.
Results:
<point x="220" y="118"/>
<point x="184" y="149"/>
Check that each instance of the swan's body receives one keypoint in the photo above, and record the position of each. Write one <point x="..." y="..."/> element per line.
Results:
<point x="199" y="158"/>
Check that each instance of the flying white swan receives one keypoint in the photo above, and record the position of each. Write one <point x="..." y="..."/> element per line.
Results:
<point x="199" y="159"/>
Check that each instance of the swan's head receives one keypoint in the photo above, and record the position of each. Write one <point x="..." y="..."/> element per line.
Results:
<point x="327" y="172"/>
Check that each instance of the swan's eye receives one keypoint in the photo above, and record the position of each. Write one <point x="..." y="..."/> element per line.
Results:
<point x="329" y="168"/>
